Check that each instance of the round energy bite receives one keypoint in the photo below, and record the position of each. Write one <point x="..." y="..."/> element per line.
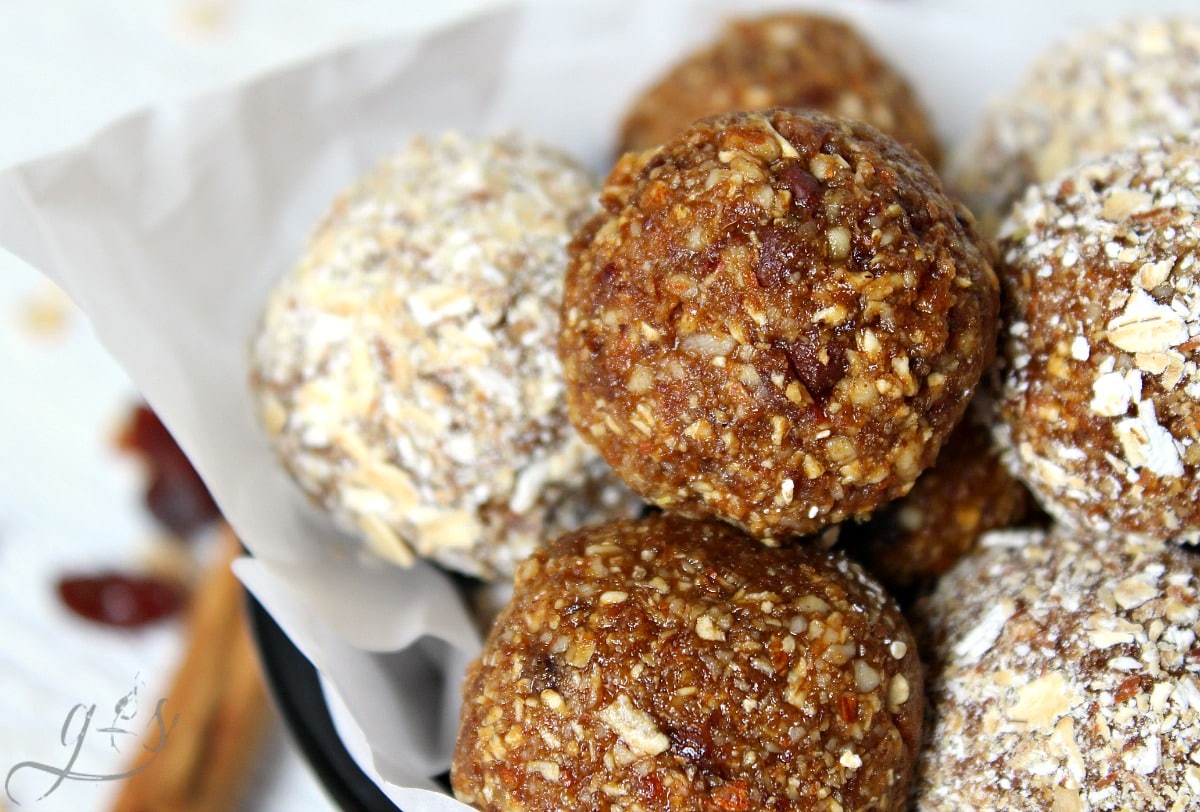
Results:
<point x="405" y="372"/>
<point x="667" y="663"/>
<point x="1086" y="97"/>
<point x="967" y="492"/>
<point x="1099" y="404"/>
<point x="781" y="60"/>
<point x="776" y="319"/>
<point x="1064" y="675"/>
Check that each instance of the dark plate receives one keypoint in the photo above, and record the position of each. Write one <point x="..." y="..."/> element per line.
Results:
<point x="294" y="684"/>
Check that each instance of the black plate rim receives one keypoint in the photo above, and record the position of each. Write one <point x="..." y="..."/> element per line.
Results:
<point x="296" y="689"/>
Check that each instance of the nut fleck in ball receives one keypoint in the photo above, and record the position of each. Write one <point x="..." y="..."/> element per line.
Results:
<point x="967" y="492"/>
<point x="1100" y="394"/>
<point x="1065" y="675"/>
<point x="781" y="60"/>
<point x="405" y="372"/>
<point x="668" y="664"/>
<point x="776" y="319"/>
<point x="1084" y="98"/>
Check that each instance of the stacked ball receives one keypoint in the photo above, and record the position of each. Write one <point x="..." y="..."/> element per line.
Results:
<point x="773" y="323"/>
<point x="1064" y="664"/>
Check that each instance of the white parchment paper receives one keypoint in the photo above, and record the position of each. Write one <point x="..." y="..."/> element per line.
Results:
<point x="169" y="226"/>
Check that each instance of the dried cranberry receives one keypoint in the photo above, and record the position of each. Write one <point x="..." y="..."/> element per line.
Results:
<point x="120" y="600"/>
<point x="175" y="496"/>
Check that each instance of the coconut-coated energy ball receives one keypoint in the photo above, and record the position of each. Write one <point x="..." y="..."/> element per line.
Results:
<point x="776" y="319"/>
<point x="907" y="543"/>
<point x="1064" y="675"/>
<point x="1093" y="94"/>
<point x="405" y="368"/>
<point x="670" y="663"/>
<point x="787" y="59"/>
<point x="1099" y="403"/>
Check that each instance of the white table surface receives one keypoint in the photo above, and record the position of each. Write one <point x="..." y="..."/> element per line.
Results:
<point x="68" y="500"/>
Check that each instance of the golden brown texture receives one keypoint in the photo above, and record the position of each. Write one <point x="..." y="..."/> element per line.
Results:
<point x="1099" y="404"/>
<point x="776" y="319"/>
<point x="781" y="60"/>
<point x="966" y="493"/>
<point x="668" y="664"/>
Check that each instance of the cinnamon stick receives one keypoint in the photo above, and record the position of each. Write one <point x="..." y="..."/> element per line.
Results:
<point x="219" y="698"/>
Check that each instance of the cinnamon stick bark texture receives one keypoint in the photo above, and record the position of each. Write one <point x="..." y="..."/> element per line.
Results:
<point x="221" y="703"/>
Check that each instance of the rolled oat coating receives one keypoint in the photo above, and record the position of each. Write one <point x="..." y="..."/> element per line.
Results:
<point x="1084" y="98"/>
<point x="1064" y="675"/>
<point x="776" y="319"/>
<point x="781" y="60"/>
<point x="405" y="372"/>
<point x="1099" y="407"/>
<point x="967" y="492"/>
<point x="667" y="663"/>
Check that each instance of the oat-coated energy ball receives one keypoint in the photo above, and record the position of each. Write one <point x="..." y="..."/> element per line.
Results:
<point x="1084" y="98"/>
<point x="776" y="319"/>
<point x="787" y="59"/>
<point x="1099" y="407"/>
<point x="405" y="372"/>
<point x="967" y="492"/>
<point x="1064" y="675"/>
<point x="667" y="663"/>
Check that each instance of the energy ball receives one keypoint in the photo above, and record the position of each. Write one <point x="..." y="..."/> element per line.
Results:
<point x="781" y="60"/>
<point x="1065" y="676"/>
<point x="776" y="319"/>
<point x="668" y="663"/>
<point x="1099" y="403"/>
<point x="967" y="492"/>
<point x="1084" y="98"/>
<point x="405" y="369"/>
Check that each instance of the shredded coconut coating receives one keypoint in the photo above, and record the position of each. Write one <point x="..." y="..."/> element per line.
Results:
<point x="1099" y="406"/>
<point x="776" y="319"/>
<point x="1093" y="94"/>
<point x="1063" y="676"/>
<point x="405" y="369"/>
<point x="907" y="543"/>
<point x="781" y="60"/>
<point x="671" y="664"/>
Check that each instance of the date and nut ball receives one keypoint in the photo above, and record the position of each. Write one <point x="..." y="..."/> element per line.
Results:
<point x="776" y="319"/>
<point x="1064" y="675"/>
<point x="907" y="543"/>
<point x="787" y="59"/>
<point x="1099" y="402"/>
<point x="405" y="369"/>
<point x="669" y="663"/>
<point x="1093" y="94"/>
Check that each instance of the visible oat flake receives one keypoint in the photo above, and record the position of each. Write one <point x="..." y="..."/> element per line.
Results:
<point x="1087" y="695"/>
<point x="636" y="728"/>
<point x="1100" y="390"/>
<point x="406" y="367"/>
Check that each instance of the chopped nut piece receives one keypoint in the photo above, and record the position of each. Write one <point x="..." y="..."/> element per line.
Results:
<point x="635" y="727"/>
